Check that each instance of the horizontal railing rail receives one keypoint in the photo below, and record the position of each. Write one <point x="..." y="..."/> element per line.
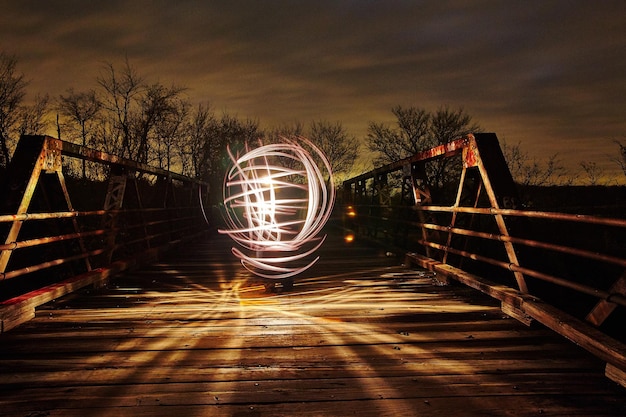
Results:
<point x="60" y="234"/>
<point x="599" y="293"/>
<point x="564" y="270"/>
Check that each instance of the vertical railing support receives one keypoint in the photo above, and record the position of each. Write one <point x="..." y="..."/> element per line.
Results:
<point x="499" y="186"/>
<point x="23" y="174"/>
<point x="33" y="155"/>
<point x="422" y="197"/>
<point x="116" y="189"/>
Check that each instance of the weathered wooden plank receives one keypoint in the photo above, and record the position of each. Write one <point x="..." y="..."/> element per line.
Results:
<point x="616" y="374"/>
<point x="604" y="308"/>
<point x="322" y="338"/>
<point x="522" y="406"/>
<point x="264" y="335"/>
<point x="579" y="332"/>
<point x="388" y="355"/>
<point x="527" y="307"/>
<point x="302" y="390"/>
<point x="350" y="339"/>
<point x="408" y="385"/>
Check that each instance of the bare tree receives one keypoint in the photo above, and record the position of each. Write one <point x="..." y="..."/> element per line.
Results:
<point x="410" y="136"/>
<point x="170" y="130"/>
<point x="621" y="159"/>
<point x="447" y="125"/>
<point x="12" y="92"/>
<point x="293" y="130"/>
<point x="32" y="118"/>
<point x="156" y="104"/>
<point x="225" y="132"/>
<point x="593" y="171"/>
<point x="199" y="145"/>
<point x="333" y="140"/>
<point x="120" y="92"/>
<point x="137" y="109"/>
<point x="417" y="130"/>
<point x="529" y="171"/>
<point x="81" y="110"/>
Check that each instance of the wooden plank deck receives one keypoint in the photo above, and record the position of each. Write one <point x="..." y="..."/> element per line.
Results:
<point x="359" y="334"/>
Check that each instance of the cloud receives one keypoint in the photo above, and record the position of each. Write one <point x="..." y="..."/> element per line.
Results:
<point x="546" y="73"/>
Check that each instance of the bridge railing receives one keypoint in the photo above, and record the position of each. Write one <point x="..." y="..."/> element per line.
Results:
<point x="564" y="270"/>
<point x="59" y="234"/>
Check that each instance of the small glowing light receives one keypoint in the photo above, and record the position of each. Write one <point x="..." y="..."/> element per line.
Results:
<point x="350" y="212"/>
<point x="348" y="238"/>
<point x="276" y="202"/>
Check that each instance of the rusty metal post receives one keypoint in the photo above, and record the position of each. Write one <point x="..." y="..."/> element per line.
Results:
<point x="113" y="201"/>
<point x="421" y="196"/>
<point x="501" y="192"/>
<point x="29" y="159"/>
<point x="406" y="196"/>
<point x="457" y="202"/>
<point x="468" y="162"/>
<point x="144" y="223"/>
<point x="81" y="242"/>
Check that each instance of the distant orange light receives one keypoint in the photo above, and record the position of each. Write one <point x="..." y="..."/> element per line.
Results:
<point x="348" y="238"/>
<point x="350" y="212"/>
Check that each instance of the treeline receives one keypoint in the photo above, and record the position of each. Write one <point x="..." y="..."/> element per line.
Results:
<point x="151" y="122"/>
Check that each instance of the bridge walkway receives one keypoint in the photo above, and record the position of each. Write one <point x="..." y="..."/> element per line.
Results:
<point x="359" y="334"/>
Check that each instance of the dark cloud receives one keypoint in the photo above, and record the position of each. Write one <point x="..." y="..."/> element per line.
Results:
<point x="547" y="73"/>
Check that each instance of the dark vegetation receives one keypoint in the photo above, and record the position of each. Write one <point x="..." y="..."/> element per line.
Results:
<point x="155" y="123"/>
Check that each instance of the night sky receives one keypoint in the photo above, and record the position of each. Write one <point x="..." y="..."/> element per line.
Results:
<point x="550" y="74"/>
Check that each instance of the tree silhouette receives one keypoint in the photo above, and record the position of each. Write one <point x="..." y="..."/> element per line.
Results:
<point x="80" y="109"/>
<point x="12" y="92"/>
<point x="340" y="148"/>
<point x="417" y="130"/>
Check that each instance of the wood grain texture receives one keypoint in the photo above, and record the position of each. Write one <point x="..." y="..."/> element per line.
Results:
<point x="360" y="334"/>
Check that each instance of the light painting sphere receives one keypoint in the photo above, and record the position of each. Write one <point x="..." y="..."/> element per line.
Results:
<point x="277" y="201"/>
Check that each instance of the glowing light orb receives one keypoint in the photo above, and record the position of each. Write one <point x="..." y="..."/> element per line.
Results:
<point x="276" y="203"/>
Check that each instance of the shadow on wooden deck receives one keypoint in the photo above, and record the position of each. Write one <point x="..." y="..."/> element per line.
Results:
<point x="196" y="335"/>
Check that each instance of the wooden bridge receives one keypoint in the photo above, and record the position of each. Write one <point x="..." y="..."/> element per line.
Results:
<point x="372" y="329"/>
<point x="194" y="335"/>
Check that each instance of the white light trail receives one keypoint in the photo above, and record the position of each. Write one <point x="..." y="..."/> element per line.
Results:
<point x="276" y="203"/>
